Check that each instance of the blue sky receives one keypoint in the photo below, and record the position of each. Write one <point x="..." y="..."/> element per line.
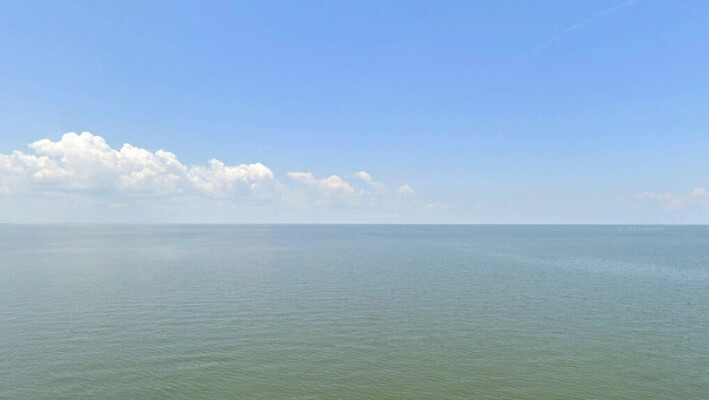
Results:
<point x="489" y="111"/>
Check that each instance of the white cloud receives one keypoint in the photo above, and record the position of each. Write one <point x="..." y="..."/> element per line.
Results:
<point x="697" y="197"/>
<point x="436" y="206"/>
<point x="61" y="180"/>
<point x="88" y="164"/>
<point x="405" y="190"/>
<point x="327" y="190"/>
<point x="364" y="176"/>
<point x="333" y="182"/>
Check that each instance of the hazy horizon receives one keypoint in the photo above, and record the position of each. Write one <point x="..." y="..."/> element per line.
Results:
<point x="338" y="223"/>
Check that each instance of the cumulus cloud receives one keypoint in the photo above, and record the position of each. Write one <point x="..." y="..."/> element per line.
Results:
<point x="79" y="172"/>
<point x="86" y="163"/>
<point x="327" y="190"/>
<point x="331" y="183"/>
<point x="697" y="197"/>
<point x="366" y="178"/>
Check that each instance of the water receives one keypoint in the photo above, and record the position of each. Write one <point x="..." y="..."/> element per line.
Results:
<point x="354" y="312"/>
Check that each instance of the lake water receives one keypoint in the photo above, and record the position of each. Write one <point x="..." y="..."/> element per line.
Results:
<point x="354" y="312"/>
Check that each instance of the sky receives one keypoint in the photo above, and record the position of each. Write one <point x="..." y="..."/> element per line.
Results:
<point x="553" y="112"/>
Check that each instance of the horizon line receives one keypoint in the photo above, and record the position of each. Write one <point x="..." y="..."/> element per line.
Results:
<point x="338" y="223"/>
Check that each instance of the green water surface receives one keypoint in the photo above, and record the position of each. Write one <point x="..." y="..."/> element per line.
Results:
<point x="354" y="312"/>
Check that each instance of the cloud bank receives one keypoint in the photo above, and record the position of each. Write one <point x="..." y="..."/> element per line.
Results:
<point x="86" y="163"/>
<point x="86" y="166"/>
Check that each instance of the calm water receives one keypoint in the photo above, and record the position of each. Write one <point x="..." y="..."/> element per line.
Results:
<point x="354" y="312"/>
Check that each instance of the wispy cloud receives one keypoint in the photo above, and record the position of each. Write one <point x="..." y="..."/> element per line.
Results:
<point x="436" y="206"/>
<point x="610" y="10"/>
<point x="697" y="197"/>
<point x="405" y="190"/>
